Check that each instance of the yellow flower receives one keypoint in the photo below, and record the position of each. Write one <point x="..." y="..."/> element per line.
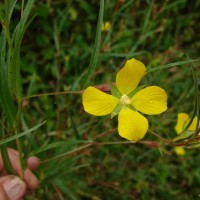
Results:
<point x="106" y="26"/>
<point x="127" y="101"/>
<point x="182" y="122"/>
<point x="180" y="151"/>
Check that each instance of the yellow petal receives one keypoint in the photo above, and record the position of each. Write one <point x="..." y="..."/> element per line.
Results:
<point x="193" y="124"/>
<point x="151" y="100"/>
<point x="132" y="125"/>
<point x="130" y="75"/>
<point x="181" y="121"/>
<point x="97" y="102"/>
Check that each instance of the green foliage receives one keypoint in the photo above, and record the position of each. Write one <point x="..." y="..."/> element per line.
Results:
<point x="5" y="90"/>
<point x="50" y="47"/>
<point x="14" y="137"/>
<point x="94" y="57"/>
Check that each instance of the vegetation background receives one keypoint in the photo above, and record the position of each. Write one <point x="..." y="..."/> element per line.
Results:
<point x="55" y="56"/>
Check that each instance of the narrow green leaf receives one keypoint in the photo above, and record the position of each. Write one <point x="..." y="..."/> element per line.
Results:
<point x="94" y="58"/>
<point x="11" y="7"/>
<point x="137" y="89"/>
<point x="26" y="12"/>
<point x="74" y="126"/>
<point x="196" y="107"/>
<point x="197" y="96"/>
<point x="1" y="16"/>
<point x="6" y="160"/>
<point x="172" y="65"/>
<point x="116" y="20"/>
<point x="116" y="110"/>
<point x="17" y="38"/>
<point x="193" y="145"/>
<point x="6" y="99"/>
<point x="122" y="55"/>
<point x="183" y="135"/>
<point x="114" y="91"/>
<point x="14" y="137"/>
<point x="56" y="144"/>
<point x="145" y="32"/>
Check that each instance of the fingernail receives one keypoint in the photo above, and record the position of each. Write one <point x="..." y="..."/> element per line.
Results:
<point x="14" y="188"/>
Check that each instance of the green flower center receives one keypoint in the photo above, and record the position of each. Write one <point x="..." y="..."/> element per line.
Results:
<point x="125" y="100"/>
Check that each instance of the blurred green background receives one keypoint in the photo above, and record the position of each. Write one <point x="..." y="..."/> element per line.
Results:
<point x="55" y="57"/>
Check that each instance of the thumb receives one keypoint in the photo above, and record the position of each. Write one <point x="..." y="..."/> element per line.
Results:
<point x="11" y="188"/>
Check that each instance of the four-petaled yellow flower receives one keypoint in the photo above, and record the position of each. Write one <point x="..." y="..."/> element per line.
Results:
<point x="182" y="122"/>
<point x="151" y="100"/>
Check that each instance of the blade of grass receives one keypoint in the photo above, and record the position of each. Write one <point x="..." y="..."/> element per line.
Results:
<point x="145" y="33"/>
<point x="14" y="137"/>
<point x="6" y="100"/>
<point x="122" y="55"/>
<point x="56" y="144"/>
<point x="196" y="107"/>
<point x="17" y="38"/>
<point x="69" y="152"/>
<point x="172" y="65"/>
<point x="12" y="4"/>
<point x="6" y="160"/>
<point x="196" y="103"/>
<point x="94" y="58"/>
<point x="115" y="19"/>
<point x="14" y="72"/>
<point x="195" y="110"/>
<point x="6" y="23"/>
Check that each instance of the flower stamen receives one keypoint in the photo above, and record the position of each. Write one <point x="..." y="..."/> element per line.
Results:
<point x="125" y="100"/>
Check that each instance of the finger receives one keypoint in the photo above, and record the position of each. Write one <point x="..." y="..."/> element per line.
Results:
<point x="29" y="177"/>
<point x="14" y="161"/>
<point x="31" y="180"/>
<point x="13" y="155"/>
<point x="3" y="195"/>
<point x="11" y="188"/>
<point x="33" y="162"/>
<point x="13" y="151"/>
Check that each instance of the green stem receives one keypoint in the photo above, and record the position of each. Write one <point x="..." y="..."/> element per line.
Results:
<point x="6" y="26"/>
<point x="18" y="141"/>
<point x="6" y="160"/>
<point x="52" y="94"/>
<point x="7" y="32"/>
<point x="19" y="149"/>
<point x="22" y="9"/>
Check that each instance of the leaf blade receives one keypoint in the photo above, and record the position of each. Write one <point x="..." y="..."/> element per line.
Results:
<point x="4" y="141"/>
<point x="94" y="58"/>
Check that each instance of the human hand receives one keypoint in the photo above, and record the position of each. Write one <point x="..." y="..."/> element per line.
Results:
<point x="11" y="186"/>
